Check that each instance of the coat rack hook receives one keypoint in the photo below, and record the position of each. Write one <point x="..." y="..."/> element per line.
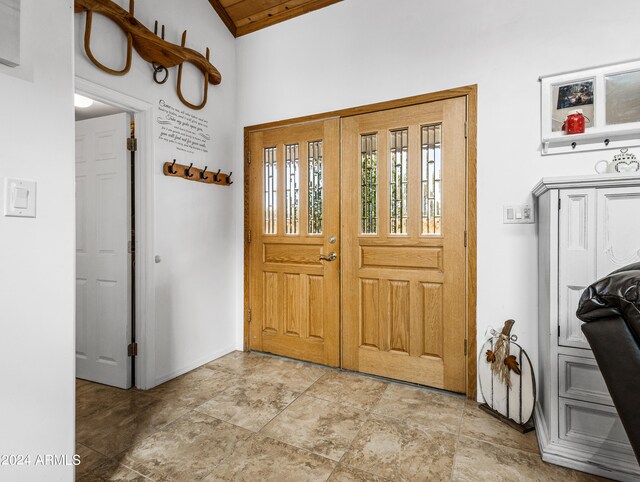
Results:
<point x="229" y="181"/>
<point x="215" y="176"/>
<point x="187" y="171"/>
<point x="203" y="172"/>
<point x="171" y="169"/>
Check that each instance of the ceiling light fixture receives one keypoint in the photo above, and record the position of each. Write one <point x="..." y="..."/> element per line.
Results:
<point x="82" y="101"/>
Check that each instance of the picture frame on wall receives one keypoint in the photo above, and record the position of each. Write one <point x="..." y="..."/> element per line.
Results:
<point x="609" y="99"/>
<point x="578" y="95"/>
<point x="10" y="32"/>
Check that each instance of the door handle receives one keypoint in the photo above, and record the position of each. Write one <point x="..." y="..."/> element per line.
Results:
<point x="331" y="257"/>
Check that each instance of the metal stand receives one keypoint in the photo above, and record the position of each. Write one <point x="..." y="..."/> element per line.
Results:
<point x="522" y="428"/>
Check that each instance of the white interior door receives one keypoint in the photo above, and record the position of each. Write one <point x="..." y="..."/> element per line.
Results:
<point x="103" y="295"/>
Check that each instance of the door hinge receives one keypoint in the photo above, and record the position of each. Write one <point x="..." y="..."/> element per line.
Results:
<point x="558" y="331"/>
<point x="132" y="349"/>
<point x="465" y="239"/>
<point x="132" y="144"/>
<point x="249" y="315"/>
<point x="131" y="247"/>
<point x="465" y="347"/>
<point x="466" y="129"/>
<point x="559" y="203"/>
<point x="249" y="237"/>
<point x="249" y="154"/>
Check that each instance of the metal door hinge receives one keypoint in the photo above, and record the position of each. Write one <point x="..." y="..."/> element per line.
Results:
<point x="132" y="349"/>
<point x="465" y="239"/>
<point x="249" y="237"/>
<point x="131" y="247"/>
<point x="466" y="129"/>
<point x="249" y="154"/>
<point x="559" y="203"/>
<point x="558" y="331"/>
<point x="465" y="347"/>
<point x="249" y="315"/>
<point x="132" y="144"/>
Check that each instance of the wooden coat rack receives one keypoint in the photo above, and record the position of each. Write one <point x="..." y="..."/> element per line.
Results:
<point x="191" y="173"/>
<point x="155" y="50"/>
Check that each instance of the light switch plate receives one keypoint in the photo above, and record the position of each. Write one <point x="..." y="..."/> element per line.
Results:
<point x="19" y="198"/>
<point x="518" y="214"/>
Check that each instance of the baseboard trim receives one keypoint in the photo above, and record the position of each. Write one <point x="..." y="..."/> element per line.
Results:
<point x="193" y="365"/>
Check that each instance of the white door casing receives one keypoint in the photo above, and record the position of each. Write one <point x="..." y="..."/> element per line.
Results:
<point x="103" y="295"/>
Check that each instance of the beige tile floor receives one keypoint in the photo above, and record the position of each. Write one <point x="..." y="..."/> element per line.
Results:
<point x="255" y="417"/>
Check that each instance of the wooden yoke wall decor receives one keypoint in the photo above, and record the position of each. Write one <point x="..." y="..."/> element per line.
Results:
<point x="155" y="50"/>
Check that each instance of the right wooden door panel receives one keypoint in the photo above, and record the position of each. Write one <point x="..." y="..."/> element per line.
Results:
<point x="404" y="256"/>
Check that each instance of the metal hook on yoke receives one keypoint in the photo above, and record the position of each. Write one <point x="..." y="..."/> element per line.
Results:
<point x="179" y="88"/>
<point x="203" y="172"/>
<point x="215" y="176"/>
<point x="229" y="181"/>
<point x="157" y="68"/>
<point x="170" y="169"/>
<point x="187" y="171"/>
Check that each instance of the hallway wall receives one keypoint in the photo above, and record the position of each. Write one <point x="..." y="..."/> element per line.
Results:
<point x="194" y="320"/>
<point x="37" y="255"/>
<point x="364" y="51"/>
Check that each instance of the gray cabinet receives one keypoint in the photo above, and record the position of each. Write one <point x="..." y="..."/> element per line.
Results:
<point x="588" y="226"/>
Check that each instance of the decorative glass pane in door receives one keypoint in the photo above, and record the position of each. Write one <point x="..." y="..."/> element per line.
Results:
<point x="292" y="189"/>
<point x="315" y="187"/>
<point x="369" y="184"/>
<point x="431" y="179"/>
<point x="270" y="191"/>
<point x="398" y="187"/>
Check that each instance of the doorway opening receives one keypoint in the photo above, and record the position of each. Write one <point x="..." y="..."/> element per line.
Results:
<point x="114" y="301"/>
<point x="105" y="243"/>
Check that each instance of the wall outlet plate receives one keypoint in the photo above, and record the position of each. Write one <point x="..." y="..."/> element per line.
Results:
<point x="19" y="198"/>
<point x="518" y="214"/>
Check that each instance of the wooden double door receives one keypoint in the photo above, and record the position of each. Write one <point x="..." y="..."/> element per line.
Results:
<point x="357" y="252"/>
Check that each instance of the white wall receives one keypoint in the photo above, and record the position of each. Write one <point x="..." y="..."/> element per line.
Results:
<point x="364" y="51"/>
<point x="193" y="232"/>
<point x="37" y="256"/>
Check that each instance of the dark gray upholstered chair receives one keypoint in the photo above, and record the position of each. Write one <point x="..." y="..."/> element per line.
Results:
<point x="610" y="308"/>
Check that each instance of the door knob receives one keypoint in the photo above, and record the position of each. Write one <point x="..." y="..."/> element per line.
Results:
<point x="331" y="257"/>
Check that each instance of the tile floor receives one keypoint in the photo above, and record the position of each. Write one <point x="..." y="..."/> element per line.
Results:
<point x="255" y="417"/>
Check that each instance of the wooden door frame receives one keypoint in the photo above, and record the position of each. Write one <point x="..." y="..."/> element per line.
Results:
<point x="470" y="92"/>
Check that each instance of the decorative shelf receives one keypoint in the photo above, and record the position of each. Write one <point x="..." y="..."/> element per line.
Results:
<point x="609" y="96"/>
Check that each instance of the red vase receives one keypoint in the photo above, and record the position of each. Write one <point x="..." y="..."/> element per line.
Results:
<point x="574" y="123"/>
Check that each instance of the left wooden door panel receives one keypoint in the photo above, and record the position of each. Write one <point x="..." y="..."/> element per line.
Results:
<point x="294" y="220"/>
<point x="103" y="314"/>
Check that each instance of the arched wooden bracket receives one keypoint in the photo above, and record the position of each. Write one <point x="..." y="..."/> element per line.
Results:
<point x="155" y="50"/>
<point x="188" y="172"/>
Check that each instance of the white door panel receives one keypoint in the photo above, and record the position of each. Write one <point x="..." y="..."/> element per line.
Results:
<point x="103" y="315"/>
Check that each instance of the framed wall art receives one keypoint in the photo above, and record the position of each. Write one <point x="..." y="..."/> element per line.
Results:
<point x="592" y="109"/>
<point x="10" y="32"/>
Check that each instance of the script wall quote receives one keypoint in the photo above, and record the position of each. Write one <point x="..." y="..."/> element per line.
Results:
<point x="181" y="128"/>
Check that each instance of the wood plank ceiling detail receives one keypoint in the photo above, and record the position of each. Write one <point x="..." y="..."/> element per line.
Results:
<point x="245" y="16"/>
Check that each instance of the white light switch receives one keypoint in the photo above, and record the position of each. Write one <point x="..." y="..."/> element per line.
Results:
<point x="19" y="198"/>
<point x="521" y="214"/>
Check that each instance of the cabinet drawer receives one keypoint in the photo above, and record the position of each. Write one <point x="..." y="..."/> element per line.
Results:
<point x="593" y="425"/>
<point x="580" y="379"/>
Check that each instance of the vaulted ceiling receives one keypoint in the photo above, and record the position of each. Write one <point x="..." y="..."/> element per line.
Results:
<point x="245" y="16"/>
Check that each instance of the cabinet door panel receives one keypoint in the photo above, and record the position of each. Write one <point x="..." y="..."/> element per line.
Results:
<point x="618" y="229"/>
<point x="577" y="240"/>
